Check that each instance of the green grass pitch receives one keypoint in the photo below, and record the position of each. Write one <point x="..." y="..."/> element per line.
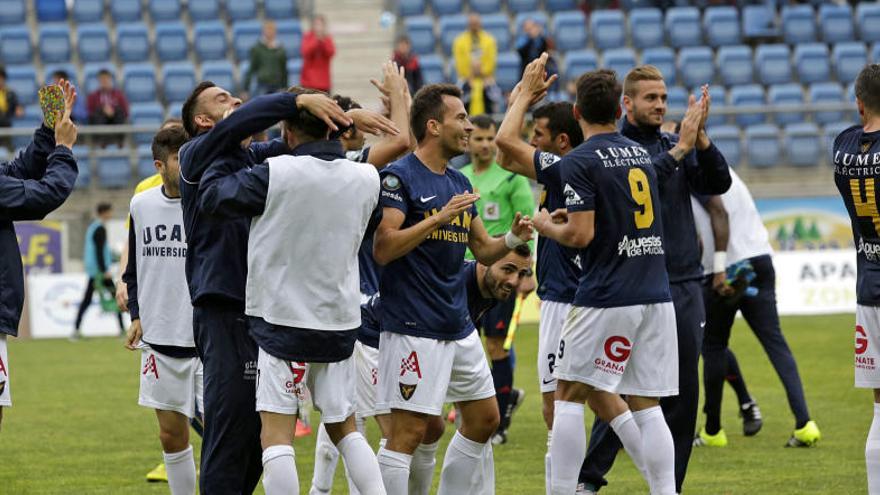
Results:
<point x="76" y="427"/>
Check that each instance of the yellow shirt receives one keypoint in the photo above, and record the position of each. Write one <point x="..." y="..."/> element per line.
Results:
<point x="148" y="183"/>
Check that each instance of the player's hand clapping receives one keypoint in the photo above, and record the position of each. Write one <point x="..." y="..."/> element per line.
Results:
<point x="372" y="123"/>
<point x="703" y="141"/>
<point x="393" y="80"/>
<point x="690" y="127"/>
<point x="542" y="219"/>
<point x="134" y="334"/>
<point x="535" y="83"/>
<point x="324" y="108"/>
<point x="65" y="130"/>
<point x="522" y="227"/>
<point x="457" y="205"/>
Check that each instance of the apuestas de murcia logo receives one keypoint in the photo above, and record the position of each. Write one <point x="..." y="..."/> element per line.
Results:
<point x="869" y="249"/>
<point x="640" y="246"/>
<point x="572" y="198"/>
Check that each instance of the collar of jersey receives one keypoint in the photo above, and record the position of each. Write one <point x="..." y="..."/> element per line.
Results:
<point x="635" y="132"/>
<point x="322" y="150"/>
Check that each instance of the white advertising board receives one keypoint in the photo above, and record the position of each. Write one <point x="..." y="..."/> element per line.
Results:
<point x="815" y="282"/>
<point x="53" y="300"/>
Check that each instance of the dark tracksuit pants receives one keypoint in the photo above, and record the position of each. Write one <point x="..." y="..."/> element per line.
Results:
<point x="231" y="460"/>
<point x="87" y="301"/>
<point x="760" y="313"/>
<point x="680" y="411"/>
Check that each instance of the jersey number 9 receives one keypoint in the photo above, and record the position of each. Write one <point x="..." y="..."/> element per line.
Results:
<point x="641" y="194"/>
<point x="868" y="207"/>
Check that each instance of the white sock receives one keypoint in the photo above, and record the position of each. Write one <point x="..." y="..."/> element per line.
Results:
<point x="326" y="458"/>
<point x="421" y="471"/>
<point x="872" y="453"/>
<point x="279" y="470"/>
<point x="658" y="450"/>
<point x="547" y="463"/>
<point x="628" y="432"/>
<point x="181" y="470"/>
<point x="568" y="446"/>
<point x="352" y="490"/>
<point x="463" y="461"/>
<point x="487" y="477"/>
<point x="361" y="464"/>
<point x="395" y="471"/>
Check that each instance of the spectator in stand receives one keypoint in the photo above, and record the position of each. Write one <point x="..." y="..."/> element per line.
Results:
<point x="404" y="57"/>
<point x="531" y="43"/>
<point x="79" y="114"/>
<point x="475" y="52"/>
<point x="317" y="50"/>
<point x="107" y="106"/>
<point x="268" y="63"/>
<point x="9" y="107"/>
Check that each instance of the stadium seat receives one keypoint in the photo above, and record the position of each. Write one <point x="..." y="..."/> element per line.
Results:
<point x="826" y="92"/>
<point x="718" y="93"/>
<point x="538" y="16"/>
<point x="812" y="63"/>
<point x="84" y="166"/>
<point x="519" y="6"/>
<point x="88" y="11"/>
<point x="15" y="45"/>
<point x="446" y="7"/>
<point x="245" y="34"/>
<point x="646" y="27"/>
<point x="209" y="40"/>
<point x="178" y="80"/>
<point x="450" y="27"/>
<point x="773" y="64"/>
<point x="721" y="25"/>
<point x="803" y="146"/>
<point x="676" y="98"/>
<point x="683" y="27"/>
<point x="851" y="98"/>
<point x="51" y="10"/>
<point x="559" y="5"/>
<point x="55" y="45"/>
<point x="203" y="10"/>
<point x="569" y="30"/>
<point x="420" y="30"/>
<point x="146" y="114"/>
<point x="607" y="28"/>
<point x="576" y="63"/>
<point x="165" y="10"/>
<point x="664" y="59"/>
<point x="132" y="42"/>
<point x="836" y="23"/>
<point x="747" y="95"/>
<point x="875" y="53"/>
<point x="507" y="71"/>
<point x="30" y="122"/>
<point x="280" y="9"/>
<point x="786" y="94"/>
<point x="145" y="166"/>
<point x="830" y="133"/>
<point x="485" y="6"/>
<point x="12" y="12"/>
<point x="126" y="10"/>
<point x="762" y="145"/>
<point x="727" y="139"/>
<point x="70" y="69"/>
<point x="735" y="65"/>
<point x="290" y="36"/>
<point x="620" y="60"/>
<point x="23" y="80"/>
<point x="241" y="10"/>
<point x="221" y="73"/>
<point x="93" y="42"/>
<point x="114" y="169"/>
<point x="432" y="69"/>
<point x="696" y="65"/>
<point x="171" y="42"/>
<point x="798" y="24"/>
<point x="758" y="22"/>
<point x="407" y="8"/>
<point x="294" y="69"/>
<point x="139" y="82"/>
<point x="498" y="25"/>
<point x="867" y="19"/>
<point x="90" y="76"/>
<point x="849" y="59"/>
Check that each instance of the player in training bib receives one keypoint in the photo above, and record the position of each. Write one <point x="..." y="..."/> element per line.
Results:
<point x="619" y="338"/>
<point x="856" y="156"/>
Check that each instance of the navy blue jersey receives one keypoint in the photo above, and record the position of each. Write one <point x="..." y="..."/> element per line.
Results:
<point x="857" y="173"/>
<point x="368" y="333"/>
<point x="423" y="289"/>
<point x="477" y="303"/>
<point x="558" y="267"/>
<point x="624" y="264"/>
<point x="368" y="268"/>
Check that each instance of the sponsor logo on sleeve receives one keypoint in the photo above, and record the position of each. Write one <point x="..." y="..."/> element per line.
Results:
<point x="547" y="159"/>
<point x="572" y="198"/>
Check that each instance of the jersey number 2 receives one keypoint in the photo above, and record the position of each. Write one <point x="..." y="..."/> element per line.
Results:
<point x="641" y="194"/>
<point x="868" y="207"/>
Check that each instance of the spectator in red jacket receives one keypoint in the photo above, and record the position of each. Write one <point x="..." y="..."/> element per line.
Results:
<point x="107" y="106"/>
<point x="317" y="50"/>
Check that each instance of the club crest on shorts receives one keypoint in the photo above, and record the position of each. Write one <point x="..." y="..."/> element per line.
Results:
<point x="150" y="366"/>
<point x="410" y="374"/>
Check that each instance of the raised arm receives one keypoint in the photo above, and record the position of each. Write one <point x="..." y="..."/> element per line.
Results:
<point x="230" y="190"/>
<point x="395" y="88"/>
<point x="487" y="249"/>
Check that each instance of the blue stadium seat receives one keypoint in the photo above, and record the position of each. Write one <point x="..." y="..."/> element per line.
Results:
<point x="727" y="139"/>
<point x="93" y="43"/>
<point x="485" y="6"/>
<point x="55" y="45"/>
<point x="849" y="59"/>
<point x="676" y="98"/>
<point x="498" y="25"/>
<point x="241" y="10"/>
<point x="750" y="95"/>
<point x="203" y="10"/>
<point x="721" y="25"/>
<point x="607" y="28"/>
<point x="114" y="169"/>
<point x="786" y="94"/>
<point x="90" y="76"/>
<point x="446" y="7"/>
<point x="830" y="133"/>
<point x="209" y="40"/>
<point x="139" y="82"/>
<point x="165" y="10"/>
<point x="245" y="34"/>
<point x="12" y="12"/>
<point x="875" y="53"/>
<point x="132" y="42"/>
<point x="577" y="62"/>
<point x="683" y="27"/>
<point x="569" y="30"/>
<point x="280" y="9"/>
<point x="145" y="166"/>
<point x="507" y="71"/>
<point x="178" y="80"/>
<point x="559" y="5"/>
<point x="51" y="10"/>
<point x="826" y="92"/>
<point x="406" y="8"/>
<point x="762" y="145"/>
<point x="221" y="73"/>
<point x="803" y="145"/>
<point x="696" y="65"/>
<point x="88" y="11"/>
<point x="867" y="19"/>
<point x="773" y="64"/>
<point x="851" y="98"/>
<point x="719" y="95"/>
<point x="71" y="71"/>
<point x="243" y="68"/>
<point x="536" y="15"/>
<point x="758" y="21"/>
<point x="646" y="27"/>
<point x="735" y="65"/>
<point x="290" y="36"/>
<point x="23" y="80"/>
<point x="15" y="45"/>
<point x="146" y="114"/>
<point x="798" y="24"/>
<point x="432" y="69"/>
<point x="420" y="30"/>
<point x="620" y="60"/>
<point x="30" y="122"/>
<point x="518" y="6"/>
<point x="294" y="69"/>
<point x="812" y="63"/>
<point x="450" y="27"/>
<point x="84" y="166"/>
<point x="171" y="42"/>
<point x="836" y="23"/>
<point x="664" y="59"/>
<point x="126" y="10"/>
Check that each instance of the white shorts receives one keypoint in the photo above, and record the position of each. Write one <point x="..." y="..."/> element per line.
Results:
<point x="366" y="361"/>
<point x="630" y="350"/>
<point x="553" y="316"/>
<point x="281" y="386"/>
<point x="420" y="374"/>
<point x="5" y="391"/>
<point x="170" y="384"/>
<point x="867" y="349"/>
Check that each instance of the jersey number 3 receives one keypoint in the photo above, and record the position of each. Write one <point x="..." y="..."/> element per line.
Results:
<point x="868" y="207"/>
<point x="641" y="194"/>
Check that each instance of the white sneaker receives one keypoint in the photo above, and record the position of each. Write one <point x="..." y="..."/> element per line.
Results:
<point x="582" y="490"/>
